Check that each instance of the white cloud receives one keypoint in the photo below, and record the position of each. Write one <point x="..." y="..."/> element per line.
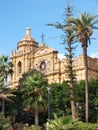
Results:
<point x="61" y="56"/>
<point x="94" y="55"/>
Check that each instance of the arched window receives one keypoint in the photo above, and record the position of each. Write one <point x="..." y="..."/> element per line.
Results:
<point x="19" y="67"/>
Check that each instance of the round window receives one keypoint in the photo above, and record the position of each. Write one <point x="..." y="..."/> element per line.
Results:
<point x="42" y="66"/>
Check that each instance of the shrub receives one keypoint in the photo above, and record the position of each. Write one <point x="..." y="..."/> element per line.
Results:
<point x="66" y="123"/>
<point x="33" y="127"/>
<point x="5" y="123"/>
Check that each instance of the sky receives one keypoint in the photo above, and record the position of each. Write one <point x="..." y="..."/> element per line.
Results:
<point x="17" y="15"/>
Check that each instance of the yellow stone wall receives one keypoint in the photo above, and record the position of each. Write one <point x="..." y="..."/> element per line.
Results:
<point x="29" y="55"/>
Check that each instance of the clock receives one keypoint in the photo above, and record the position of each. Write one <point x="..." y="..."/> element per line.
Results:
<point x="43" y="66"/>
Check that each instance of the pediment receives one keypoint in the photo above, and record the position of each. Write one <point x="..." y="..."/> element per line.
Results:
<point x="43" y="50"/>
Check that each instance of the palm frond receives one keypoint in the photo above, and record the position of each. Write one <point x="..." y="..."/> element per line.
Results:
<point x="94" y="27"/>
<point x="4" y="96"/>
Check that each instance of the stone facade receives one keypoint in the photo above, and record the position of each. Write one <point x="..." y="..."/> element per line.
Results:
<point x="30" y="55"/>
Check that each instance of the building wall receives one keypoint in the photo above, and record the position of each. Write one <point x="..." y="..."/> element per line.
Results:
<point x="30" y="55"/>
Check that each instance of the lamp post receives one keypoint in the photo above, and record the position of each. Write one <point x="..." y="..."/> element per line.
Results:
<point x="22" y="114"/>
<point x="48" y="88"/>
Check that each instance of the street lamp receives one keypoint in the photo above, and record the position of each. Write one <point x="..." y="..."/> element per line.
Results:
<point x="48" y="88"/>
<point x="22" y="115"/>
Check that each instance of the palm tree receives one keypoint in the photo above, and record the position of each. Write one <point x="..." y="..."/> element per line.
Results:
<point x="83" y="27"/>
<point x="5" y="66"/>
<point x="32" y="86"/>
<point x="5" y="71"/>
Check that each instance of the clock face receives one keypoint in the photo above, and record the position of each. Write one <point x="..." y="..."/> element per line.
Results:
<point x="42" y="66"/>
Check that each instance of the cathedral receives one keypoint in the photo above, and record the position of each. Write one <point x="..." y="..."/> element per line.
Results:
<point x="30" y="55"/>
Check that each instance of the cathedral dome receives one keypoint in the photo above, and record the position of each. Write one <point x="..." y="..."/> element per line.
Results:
<point x="27" y="41"/>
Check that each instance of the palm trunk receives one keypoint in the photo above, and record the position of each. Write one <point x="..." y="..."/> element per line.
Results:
<point x="86" y="82"/>
<point x="36" y="118"/>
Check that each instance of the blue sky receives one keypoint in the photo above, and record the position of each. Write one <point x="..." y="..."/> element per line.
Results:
<point x="17" y="15"/>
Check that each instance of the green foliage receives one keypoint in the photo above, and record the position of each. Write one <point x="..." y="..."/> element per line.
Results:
<point x="62" y="107"/>
<point x="84" y="126"/>
<point x="4" y="122"/>
<point x="33" y="127"/>
<point x="69" y="46"/>
<point x="66" y="123"/>
<point x="84" y="26"/>
<point x="13" y="108"/>
<point x="79" y="90"/>
<point x="5" y="66"/>
<point x="59" y="99"/>
<point x="5" y="71"/>
<point x="93" y="100"/>
<point x="1" y="81"/>
<point x="32" y="86"/>
<point x="60" y="123"/>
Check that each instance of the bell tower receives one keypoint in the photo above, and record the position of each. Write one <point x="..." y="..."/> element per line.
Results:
<point x="27" y="42"/>
<point x="21" y="56"/>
